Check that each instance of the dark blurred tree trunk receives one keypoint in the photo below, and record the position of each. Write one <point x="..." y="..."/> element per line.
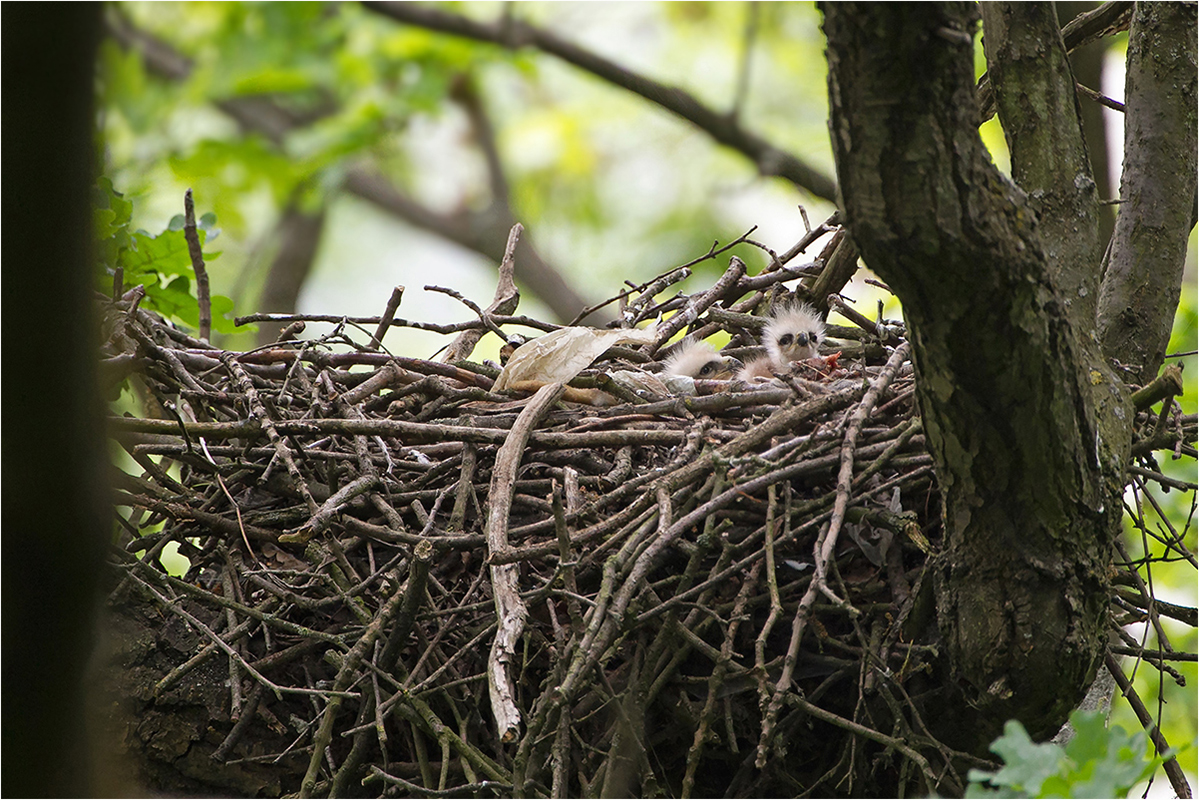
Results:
<point x="54" y="457"/>
<point x="1028" y="427"/>
<point x="299" y="233"/>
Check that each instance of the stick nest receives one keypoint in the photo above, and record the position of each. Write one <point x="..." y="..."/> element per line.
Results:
<point x="695" y="593"/>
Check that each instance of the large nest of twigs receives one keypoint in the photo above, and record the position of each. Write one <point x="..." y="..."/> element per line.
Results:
<point x="403" y="581"/>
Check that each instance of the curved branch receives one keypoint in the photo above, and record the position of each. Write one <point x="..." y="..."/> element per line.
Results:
<point x="514" y="34"/>
<point x="1158" y="189"/>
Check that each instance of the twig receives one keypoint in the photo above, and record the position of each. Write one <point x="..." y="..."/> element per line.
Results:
<point x="393" y="303"/>
<point x="716" y="679"/>
<point x="346" y="676"/>
<point x="825" y="546"/>
<point x="452" y="327"/>
<point x="507" y="297"/>
<point x="828" y="540"/>
<point x="1101" y="99"/>
<point x="197" y="259"/>
<point x="1178" y="780"/>
<point x="268" y="425"/>
<point x="219" y="642"/>
<point x="867" y="733"/>
<point x="468" y="790"/>
<point x="327" y="513"/>
<point x="699" y="304"/>
<point x="509" y="608"/>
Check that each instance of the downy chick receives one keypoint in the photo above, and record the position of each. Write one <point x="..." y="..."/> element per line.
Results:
<point x="699" y="360"/>
<point x="793" y="334"/>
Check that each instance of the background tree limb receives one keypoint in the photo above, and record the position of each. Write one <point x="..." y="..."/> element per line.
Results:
<point x="484" y="231"/>
<point x="724" y="128"/>
<point x="299" y="235"/>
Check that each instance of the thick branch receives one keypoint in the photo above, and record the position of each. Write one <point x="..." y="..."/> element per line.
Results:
<point x="1111" y="17"/>
<point x="1157" y="189"/>
<point x="1025" y="447"/>
<point x="724" y="128"/>
<point x="510" y="610"/>
<point x="1042" y="122"/>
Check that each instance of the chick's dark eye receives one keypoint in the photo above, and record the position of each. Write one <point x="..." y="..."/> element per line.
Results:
<point x="785" y="339"/>
<point x="707" y="369"/>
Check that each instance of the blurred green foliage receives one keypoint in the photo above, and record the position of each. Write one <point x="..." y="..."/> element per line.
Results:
<point x="611" y="187"/>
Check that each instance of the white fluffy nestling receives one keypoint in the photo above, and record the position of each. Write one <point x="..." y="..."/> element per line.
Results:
<point x="759" y="370"/>
<point x="699" y="360"/>
<point x="793" y="334"/>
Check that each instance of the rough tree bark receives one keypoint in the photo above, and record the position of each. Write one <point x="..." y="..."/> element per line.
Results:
<point x="1157" y="188"/>
<point x="1028" y="426"/>
<point x="1042" y="122"/>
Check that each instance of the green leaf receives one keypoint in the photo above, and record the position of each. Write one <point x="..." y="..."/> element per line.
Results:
<point x="207" y="223"/>
<point x="165" y="254"/>
<point x="111" y="214"/>
<point x="1097" y="762"/>
<point x="222" y="310"/>
<point x="1026" y="763"/>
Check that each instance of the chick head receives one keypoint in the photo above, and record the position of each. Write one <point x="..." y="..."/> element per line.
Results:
<point x="699" y="360"/>
<point x="793" y="334"/>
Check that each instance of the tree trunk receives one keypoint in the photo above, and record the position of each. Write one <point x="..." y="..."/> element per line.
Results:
<point x="55" y="510"/>
<point x="299" y="234"/>
<point x="1028" y="427"/>
<point x="1157" y="189"/>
